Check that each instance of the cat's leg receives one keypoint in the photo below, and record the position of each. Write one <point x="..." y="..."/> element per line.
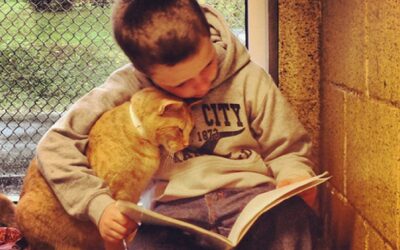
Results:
<point x="129" y="182"/>
<point x="31" y="224"/>
<point x="115" y="246"/>
<point x="32" y="219"/>
<point x="40" y="246"/>
<point x="7" y="212"/>
<point x="48" y="227"/>
<point x="43" y="221"/>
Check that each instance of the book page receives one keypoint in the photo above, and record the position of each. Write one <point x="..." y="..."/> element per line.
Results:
<point x="265" y="201"/>
<point x="143" y="215"/>
<point x="254" y="209"/>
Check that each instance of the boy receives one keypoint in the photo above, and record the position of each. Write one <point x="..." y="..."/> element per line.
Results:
<point x="246" y="140"/>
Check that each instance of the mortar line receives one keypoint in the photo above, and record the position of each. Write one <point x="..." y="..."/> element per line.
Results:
<point x="367" y="93"/>
<point x="366" y="46"/>
<point x="366" y="221"/>
<point x="367" y="235"/>
<point x="345" y="144"/>
<point x="394" y="103"/>
<point x="398" y="211"/>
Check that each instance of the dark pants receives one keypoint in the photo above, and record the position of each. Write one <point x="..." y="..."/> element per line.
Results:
<point x="290" y="225"/>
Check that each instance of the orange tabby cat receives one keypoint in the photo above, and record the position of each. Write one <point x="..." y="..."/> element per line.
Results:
<point x="124" y="151"/>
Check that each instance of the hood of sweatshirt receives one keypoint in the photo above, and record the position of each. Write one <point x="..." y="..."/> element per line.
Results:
<point x="232" y="54"/>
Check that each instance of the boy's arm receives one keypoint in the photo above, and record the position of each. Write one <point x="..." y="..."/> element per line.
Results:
<point x="285" y="145"/>
<point x="61" y="151"/>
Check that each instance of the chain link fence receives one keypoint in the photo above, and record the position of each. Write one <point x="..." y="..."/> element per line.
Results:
<point x="51" y="53"/>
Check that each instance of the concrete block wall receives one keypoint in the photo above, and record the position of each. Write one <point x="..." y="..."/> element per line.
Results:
<point x="299" y="72"/>
<point x="339" y="66"/>
<point x="360" y="122"/>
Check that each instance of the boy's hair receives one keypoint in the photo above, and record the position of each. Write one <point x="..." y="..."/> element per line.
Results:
<point x="158" y="31"/>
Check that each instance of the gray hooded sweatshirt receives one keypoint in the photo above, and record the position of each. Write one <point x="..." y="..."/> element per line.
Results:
<point x="246" y="134"/>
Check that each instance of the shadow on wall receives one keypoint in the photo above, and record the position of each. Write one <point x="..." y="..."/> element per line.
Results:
<point x="340" y="220"/>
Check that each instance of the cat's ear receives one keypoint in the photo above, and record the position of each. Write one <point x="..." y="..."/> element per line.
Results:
<point x="169" y="105"/>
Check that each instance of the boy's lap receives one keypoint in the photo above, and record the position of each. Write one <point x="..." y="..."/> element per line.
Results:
<point x="151" y="237"/>
<point x="291" y="225"/>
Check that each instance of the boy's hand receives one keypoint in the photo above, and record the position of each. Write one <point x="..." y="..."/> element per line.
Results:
<point x="115" y="226"/>
<point x="309" y="196"/>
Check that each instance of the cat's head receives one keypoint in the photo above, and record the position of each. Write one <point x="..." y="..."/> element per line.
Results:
<point x="166" y="120"/>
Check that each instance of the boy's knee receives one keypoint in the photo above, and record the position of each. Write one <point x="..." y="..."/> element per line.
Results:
<point x="294" y="209"/>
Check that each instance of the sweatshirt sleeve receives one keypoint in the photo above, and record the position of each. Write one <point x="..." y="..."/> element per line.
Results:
<point x="61" y="151"/>
<point x="285" y="144"/>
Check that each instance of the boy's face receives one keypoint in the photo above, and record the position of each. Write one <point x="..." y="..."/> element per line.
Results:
<point x="191" y="78"/>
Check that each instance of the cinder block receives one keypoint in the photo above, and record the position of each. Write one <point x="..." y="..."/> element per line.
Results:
<point x="308" y="114"/>
<point x="383" y="49"/>
<point x="343" y="43"/>
<point x="375" y="241"/>
<point x="333" y="134"/>
<point x="373" y="146"/>
<point x="299" y="74"/>
<point x="358" y="235"/>
<point x="346" y="228"/>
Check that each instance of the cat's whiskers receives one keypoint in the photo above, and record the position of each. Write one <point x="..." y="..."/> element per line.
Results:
<point x="136" y="122"/>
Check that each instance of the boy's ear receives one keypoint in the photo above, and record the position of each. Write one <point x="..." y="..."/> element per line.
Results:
<point x="169" y="105"/>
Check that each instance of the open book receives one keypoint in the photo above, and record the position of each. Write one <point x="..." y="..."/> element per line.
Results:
<point x="252" y="211"/>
